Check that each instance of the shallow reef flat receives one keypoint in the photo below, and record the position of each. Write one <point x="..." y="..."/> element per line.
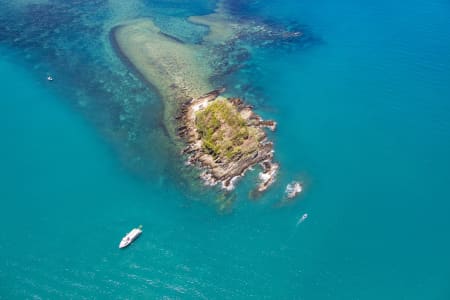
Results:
<point x="177" y="70"/>
<point x="222" y="26"/>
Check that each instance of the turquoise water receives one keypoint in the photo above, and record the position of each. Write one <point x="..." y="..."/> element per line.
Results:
<point x="364" y="121"/>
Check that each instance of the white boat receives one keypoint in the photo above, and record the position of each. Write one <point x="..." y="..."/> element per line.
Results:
<point x="49" y="78"/>
<point x="301" y="219"/>
<point x="130" y="237"/>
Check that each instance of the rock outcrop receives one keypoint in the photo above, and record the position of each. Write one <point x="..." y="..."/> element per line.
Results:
<point x="225" y="138"/>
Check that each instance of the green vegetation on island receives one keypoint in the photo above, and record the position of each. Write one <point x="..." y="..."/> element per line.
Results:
<point x="222" y="129"/>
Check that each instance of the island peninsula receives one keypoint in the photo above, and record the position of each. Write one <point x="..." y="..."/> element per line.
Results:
<point x="222" y="136"/>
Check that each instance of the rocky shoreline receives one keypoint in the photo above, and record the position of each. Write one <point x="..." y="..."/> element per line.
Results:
<point x="219" y="168"/>
<point x="223" y="147"/>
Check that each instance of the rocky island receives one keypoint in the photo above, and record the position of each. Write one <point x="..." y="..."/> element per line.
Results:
<point x="222" y="136"/>
<point x="225" y="138"/>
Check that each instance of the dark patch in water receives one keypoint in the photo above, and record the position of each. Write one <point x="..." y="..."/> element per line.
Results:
<point x="130" y="66"/>
<point x="175" y="39"/>
<point x="60" y="39"/>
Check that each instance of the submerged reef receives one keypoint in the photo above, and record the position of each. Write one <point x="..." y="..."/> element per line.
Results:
<point x="175" y="69"/>
<point x="225" y="28"/>
<point x="231" y="40"/>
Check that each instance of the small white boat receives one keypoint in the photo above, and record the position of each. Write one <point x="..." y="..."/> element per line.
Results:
<point x="49" y="78"/>
<point x="130" y="237"/>
<point x="301" y="219"/>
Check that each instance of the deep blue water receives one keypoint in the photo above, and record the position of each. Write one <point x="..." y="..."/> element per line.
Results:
<point x="364" y="121"/>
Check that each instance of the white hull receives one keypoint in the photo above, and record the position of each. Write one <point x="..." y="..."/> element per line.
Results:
<point x="130" y="237"/>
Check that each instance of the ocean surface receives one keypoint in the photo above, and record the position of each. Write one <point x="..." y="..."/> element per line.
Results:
<point x="363" y="109"/>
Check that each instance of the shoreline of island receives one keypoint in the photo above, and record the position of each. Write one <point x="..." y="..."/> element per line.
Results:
<point x="226" y="164"/>
<point x="174" y="70"/>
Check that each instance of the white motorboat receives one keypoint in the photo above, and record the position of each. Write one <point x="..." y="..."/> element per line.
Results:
<point x="49" y="78"/>
<point x="301" y="219"/>
<point x="130" y="237"/>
